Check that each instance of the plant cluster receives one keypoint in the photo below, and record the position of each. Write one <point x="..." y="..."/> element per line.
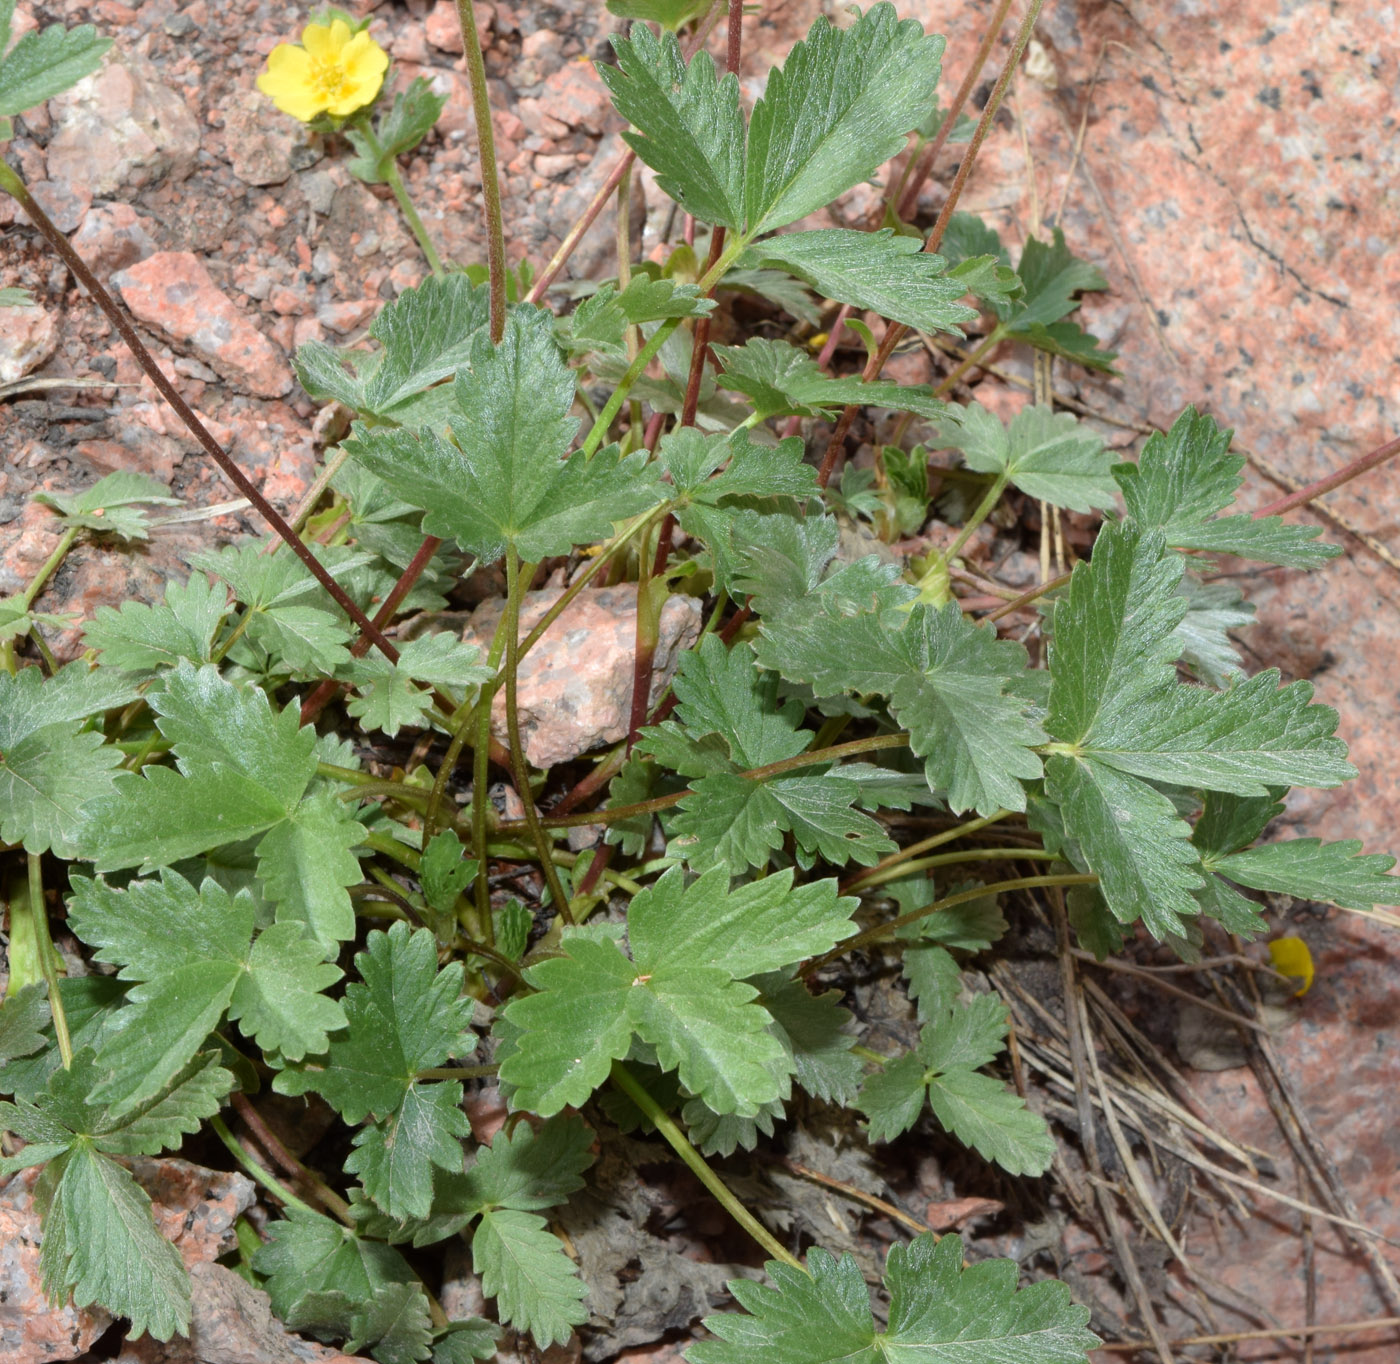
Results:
<point x="224" y="842"/>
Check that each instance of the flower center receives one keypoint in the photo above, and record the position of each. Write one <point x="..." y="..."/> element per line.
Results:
<point x="329" y="79"/>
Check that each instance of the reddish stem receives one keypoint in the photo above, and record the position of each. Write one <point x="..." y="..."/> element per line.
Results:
<point x="201" y="433"/>
<point x="1325" y="485"/>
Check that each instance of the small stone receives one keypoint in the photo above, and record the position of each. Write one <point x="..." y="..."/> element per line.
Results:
<point x="28" y="336"/>
<point x="120" y="127"/>
<point x="346" y="317"/>
<point x="258" y="139"/>
<point x="64" y="203"/>
<point x="575" y="95"/>
<point x="552" y="167"/>
<point x="112" y="237"/>
<point x="575" y="687"/>
<point x="319" y="187"/>
<point x="179" y="25"/>
<point x="444" y="31"/>
<point x="172" y="290"/>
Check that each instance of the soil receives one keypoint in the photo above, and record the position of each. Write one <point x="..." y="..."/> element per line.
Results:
<point x="1232" y="170"/>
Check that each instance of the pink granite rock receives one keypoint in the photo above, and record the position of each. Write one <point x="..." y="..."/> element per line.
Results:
<point x="444" y="31"/>
<point x="112" y="237"/>
<point x="120" y="127"/>
<point x="174" y="291"/>
<point x="28" y="336"/>
<point x="576" y="683"/>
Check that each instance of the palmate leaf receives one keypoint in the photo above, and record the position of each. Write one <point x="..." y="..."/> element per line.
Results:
<point x="505" y="481"/>
<point x="814" y="1030"/>
<point x="100" y="1240"/>
<point x="834" y="112"/>
<point x="780" y="380"/>
<point x="109" y="506"/>
<point x="404" y="1015"/>
<point x="1047" y="455"/>
<point x="1184" y="478"/>
<point x="729" y="722"/>
<point x="1212" y="610"/>
<point x="244" y="771"/>
<point x="388" y="697"/>
<point x="889" y="274"/>
<point x="599" y="324"/>
<point x="138" y="637"/>
<point x="681" y="992"/>
<point x="395" y="1323"/>
<point x="44" y="63"/>
<point x="394" y="1156"/>
<point x="50" y="767"/>
<point x="426" y="335"/>
<point x="949" y="682"/>
<point x="939" y="1312"/>
<point x="319" y="1273"/>
<point x="196" y="957"/>
<point x="1120" y="719"/>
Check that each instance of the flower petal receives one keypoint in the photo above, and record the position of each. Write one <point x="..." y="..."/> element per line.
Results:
<point x="319" y="40"/>
<point x="287" y="83"/>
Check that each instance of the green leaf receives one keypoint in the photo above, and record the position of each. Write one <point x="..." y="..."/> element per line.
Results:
<point x="11" y="296"/>
<point x="814" y="1029"/>
<point x="427" y="334"/>
<point x="101" y="1245"/>
<point x="397" y="131"/>
<point x="140" y="637"/>
<point x="505" y="481"/>
<point x="686" y="120"/>
<point x="710" y="469"/>
<point x="1048" y="455"/>
<point x="460" y="1342"/>
<point x="528" y="1169"/>
<point x="781" y="380"/>
<point x="1182" y="479"/>
<point x="779" y="288"/>
<point x="310" y="1261"/>
<point x="933" y="978"/>
<point x="734" y="821"/>
<point x="404" y="1016"/>
<point x="109" y="505"/>
<point x="949" y="682"/>
<point x="524" y="1267"/>
<point x="1052" y="275"/>
<point x="889" y="274"/>
<point x="444" y="872"/>
<point x="893" y="1097"/>
<point x="984" y="1114"/>
<point x="388" y="698"/>
<point x="599" y="324"/>
<point x="972" y="926"/>
<point x="23" y="1017"/>
<point x="681" y="993"/>
<point x="670" y="14"/>
<point x="46" y="63"/>
<point x="1334" y="873"/>
<point x="836" y="110"/>
<point x="90" y="1003"/>
<point x="395" y="1323"/>
<point x="51" y="770"/>
<point x="394" y="1156"/>
<point x="300" y="639"/>
<point x="1212" y="609"/>
<point x="939" y="1312"/>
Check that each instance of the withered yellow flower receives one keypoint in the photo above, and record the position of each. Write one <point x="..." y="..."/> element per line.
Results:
<point x="335" y="71"/>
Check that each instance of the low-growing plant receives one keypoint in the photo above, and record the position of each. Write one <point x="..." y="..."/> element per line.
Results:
<point x="210" y="793"/>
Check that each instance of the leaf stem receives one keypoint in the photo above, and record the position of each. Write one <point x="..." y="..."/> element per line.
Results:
<point x="878" y="931"/>
<point x="16" y="188"/>
<point x="979" y="514"/>
<point x="1325" y="485"/>
<point x="48" y="954"/>
<point x="511" y="625"/>
<point x="962" y="855"/>
<point x="490" y="181"/>
<point x="256" y="1171"/>
<point x="922" y="846"/>
<point x="680" y="1144"/>
<point x="48" y="567"/>
<point x="646" y="807"/>
<point x="388" y="167"/>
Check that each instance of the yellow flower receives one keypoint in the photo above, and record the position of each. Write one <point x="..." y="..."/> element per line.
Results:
<point x="334" y="72"/>
<point x="1290" y="957"/>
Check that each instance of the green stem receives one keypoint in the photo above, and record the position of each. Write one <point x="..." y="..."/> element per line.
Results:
<point x="993" y="339"/>
<point x="393" y="849"/>
<point x="982" y="511"/>
<point x="48" y="567"/>
<point x="490" y="182"/>
<point x="878" y="931"/>
<point x="654" y="343"/>
<point x="646" y="807"/>
<point x="924" y="845"/>
<point x="47" y="953"/>
<point x="255" y="1171"/>
<point x="394" y="180"/>
<point x="962" y="855"/>
<point x="519" y="767"/>
<point x="680" y="1144"/>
